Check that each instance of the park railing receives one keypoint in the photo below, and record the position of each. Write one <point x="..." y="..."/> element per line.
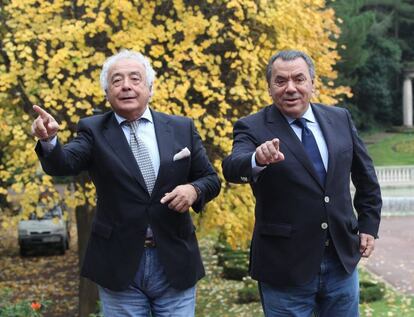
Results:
<point x="395" y="176"/>
<point x="397" y="188"/>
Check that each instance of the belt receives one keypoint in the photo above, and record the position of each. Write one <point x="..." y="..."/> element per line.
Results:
<point x="149" y="243"/>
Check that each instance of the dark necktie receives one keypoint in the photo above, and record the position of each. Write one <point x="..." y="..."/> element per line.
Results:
<point x="311" y="148"/>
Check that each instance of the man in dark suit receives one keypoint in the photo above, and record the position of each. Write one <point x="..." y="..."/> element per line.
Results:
<point x="148" y="168"/>
<point x="298" y="158"/>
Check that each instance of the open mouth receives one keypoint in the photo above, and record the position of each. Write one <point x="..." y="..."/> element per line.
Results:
<point x="127" y="98"/>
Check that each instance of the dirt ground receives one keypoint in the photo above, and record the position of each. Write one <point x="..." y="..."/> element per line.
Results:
<point x="43" y="274"/>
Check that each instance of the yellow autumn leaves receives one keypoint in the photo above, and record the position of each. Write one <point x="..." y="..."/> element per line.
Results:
<point x="210" y="60"/>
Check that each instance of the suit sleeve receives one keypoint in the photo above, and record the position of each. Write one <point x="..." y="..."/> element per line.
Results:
<point x="202" y="173"/>
<point x="367" y="199"/>
<point x="237" y="167"/>
<point x="70" y="159"/>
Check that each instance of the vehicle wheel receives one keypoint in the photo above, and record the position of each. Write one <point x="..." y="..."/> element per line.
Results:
<point x="62" y="247"/>
<point x="23" y="251"/>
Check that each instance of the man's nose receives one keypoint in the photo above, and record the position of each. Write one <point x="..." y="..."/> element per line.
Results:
<point x="126" y="84"/>
<point x="290" y="86"/>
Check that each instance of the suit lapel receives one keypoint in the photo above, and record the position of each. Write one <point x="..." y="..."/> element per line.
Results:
<point x="165" y="141"/>
<point x="116" y="139"/>
<point x="278" y="125"/>
<point x="327" y="128"/>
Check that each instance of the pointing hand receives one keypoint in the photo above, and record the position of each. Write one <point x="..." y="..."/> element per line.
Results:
<point x="44" y="127"/>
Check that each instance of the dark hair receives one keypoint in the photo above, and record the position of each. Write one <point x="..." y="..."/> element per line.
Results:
<point x="289" y="55"/>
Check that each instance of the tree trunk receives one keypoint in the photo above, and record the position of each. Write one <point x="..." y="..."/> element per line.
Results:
<point x="88" y="292"/>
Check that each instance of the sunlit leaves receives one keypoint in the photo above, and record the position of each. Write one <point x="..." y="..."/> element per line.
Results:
<point x="210" y="60"/>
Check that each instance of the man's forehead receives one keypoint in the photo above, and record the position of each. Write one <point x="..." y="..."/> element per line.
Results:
<point x="127" y="66"/>
<point x="294" y="66"/>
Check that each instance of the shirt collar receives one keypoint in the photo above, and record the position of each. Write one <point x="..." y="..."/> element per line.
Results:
<point x="308" y="115"/>
<point x="146" y="115"/>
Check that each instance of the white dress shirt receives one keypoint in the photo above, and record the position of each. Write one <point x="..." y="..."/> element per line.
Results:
<point x="146" y="133"/>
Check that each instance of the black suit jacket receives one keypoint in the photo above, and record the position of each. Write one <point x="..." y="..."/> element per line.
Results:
<point x="124" y="208"/>
<point x="292" y="204"/>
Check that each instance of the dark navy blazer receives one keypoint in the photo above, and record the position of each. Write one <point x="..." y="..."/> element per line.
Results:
<point x="124" y="208"/>
<point x="293" y="207"/>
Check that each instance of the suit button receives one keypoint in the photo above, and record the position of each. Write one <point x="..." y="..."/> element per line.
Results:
<point x="324" y="225"/>
<point x="326" y="199"/>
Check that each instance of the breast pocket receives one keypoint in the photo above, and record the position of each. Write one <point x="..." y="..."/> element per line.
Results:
<point x="181" y="168"/>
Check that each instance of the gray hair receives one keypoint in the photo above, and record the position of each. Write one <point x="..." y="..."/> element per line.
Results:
<point x="289" y="55"/>
<point x="126" y="54"/>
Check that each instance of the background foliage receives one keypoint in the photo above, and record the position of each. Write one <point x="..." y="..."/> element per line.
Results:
<point x="210" y="58"/>
<point x="376" y="43"/>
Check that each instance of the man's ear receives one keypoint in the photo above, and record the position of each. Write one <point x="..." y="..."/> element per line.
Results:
<point x="268" y="91"/>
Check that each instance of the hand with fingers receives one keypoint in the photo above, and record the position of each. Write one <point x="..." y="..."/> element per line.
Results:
<point x="366" y="244"/>
<point x="180" y="198"/>
<point x="44" y="127"/>
<point x="268" y="152"/>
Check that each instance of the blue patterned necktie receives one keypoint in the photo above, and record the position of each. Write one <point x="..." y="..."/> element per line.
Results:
<point x="311" y="148"/>
<point x="141" y="155"/>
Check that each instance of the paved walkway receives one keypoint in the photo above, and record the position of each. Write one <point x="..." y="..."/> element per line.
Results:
<point x="393" y="258"/>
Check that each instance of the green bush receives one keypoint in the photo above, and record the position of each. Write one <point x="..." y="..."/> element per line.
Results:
<point x="249" y="293"/>
<point x="234" y="271"/>
<point x="371" y="291"/>
<point x="235" y="263"/>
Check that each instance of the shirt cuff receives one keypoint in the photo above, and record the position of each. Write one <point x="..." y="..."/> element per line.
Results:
<point x="255" y="168"/>
<point x="48" y="145"/>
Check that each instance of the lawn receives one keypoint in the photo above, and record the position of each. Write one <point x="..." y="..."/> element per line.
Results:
<point x="391" y="148"/>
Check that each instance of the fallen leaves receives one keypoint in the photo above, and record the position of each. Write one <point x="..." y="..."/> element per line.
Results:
<point x="42" y="274"/>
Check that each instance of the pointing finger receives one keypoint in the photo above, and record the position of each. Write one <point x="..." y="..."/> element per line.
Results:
<point x="276" y="143"/>
<point x="42" y="113"/>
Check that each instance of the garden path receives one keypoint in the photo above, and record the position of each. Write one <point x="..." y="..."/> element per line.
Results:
<point x="393" y="258"/>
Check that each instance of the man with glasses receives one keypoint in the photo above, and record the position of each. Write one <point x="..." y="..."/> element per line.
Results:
<point x="298" y="158"/>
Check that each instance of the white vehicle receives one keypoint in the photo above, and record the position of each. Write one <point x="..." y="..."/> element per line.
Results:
<point x="52" y="230"/>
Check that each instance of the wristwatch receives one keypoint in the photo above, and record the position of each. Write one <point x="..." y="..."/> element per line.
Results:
<point x="198" y="191"/>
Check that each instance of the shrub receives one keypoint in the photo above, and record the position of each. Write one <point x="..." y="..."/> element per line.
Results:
<point x="235" y="263"/>
<point x="371" y="291"/>
<point x="249" y="293"/>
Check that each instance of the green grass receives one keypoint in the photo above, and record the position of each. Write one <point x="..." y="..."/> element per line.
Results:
<point x="217" y="297"/>
<point x="391" y="148"/>
<point x="393" y="304"/>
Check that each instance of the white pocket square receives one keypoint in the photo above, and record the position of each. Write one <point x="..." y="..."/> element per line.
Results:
<point x="182" y="154"/>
